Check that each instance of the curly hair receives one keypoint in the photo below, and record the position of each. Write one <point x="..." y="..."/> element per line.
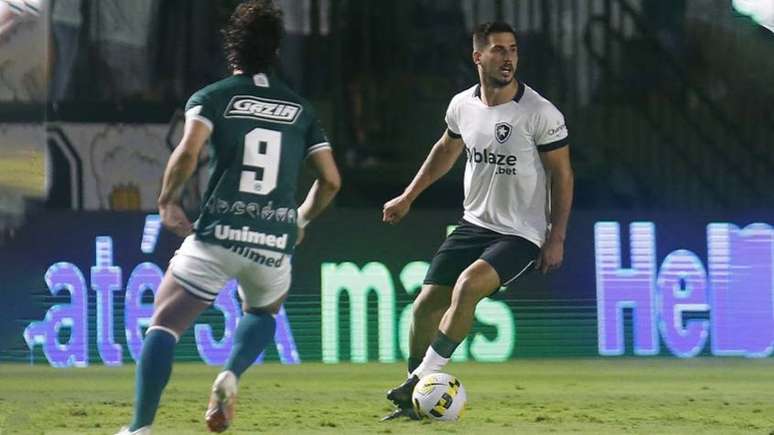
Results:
<point x="252" y="36"/>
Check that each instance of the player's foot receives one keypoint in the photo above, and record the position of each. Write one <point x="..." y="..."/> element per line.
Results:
<point x="220" y="411"/>
<point x="401" y="395"/>
<point x="398" y="413"/>
<point x="145" y="430"/>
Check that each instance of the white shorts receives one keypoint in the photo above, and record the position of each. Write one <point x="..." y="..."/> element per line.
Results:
<point x="204" y="269"/>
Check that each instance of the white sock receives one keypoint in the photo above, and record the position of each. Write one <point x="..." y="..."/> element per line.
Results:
<point x="431" y="363"/>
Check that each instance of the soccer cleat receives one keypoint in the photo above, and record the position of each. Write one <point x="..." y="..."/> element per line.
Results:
<point x="397" y="413"/>
<point x="401" y="395"/>
<point x="145" y="430"/>
<point x="220" y="411"/>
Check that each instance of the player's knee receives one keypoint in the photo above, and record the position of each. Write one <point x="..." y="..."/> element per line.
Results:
<point x="164" y="319"/>
<point x="423" y="307"/>
<point x="272" y="309"/>
<point x="429" y="302"/>
<point x="162" y="315"/>
<point x="467" y="292"/>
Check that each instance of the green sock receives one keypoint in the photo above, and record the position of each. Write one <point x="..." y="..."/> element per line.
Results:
<point x="152" y="375"/>
<point x="254" y="332"/>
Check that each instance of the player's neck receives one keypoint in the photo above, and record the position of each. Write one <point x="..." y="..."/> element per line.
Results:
<point x="237" y="72"/>
<point x="496" y="95"/>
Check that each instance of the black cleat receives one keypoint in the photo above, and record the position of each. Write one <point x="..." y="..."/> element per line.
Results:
<point x="402" y="413"/>
<point x="401" y="395"/>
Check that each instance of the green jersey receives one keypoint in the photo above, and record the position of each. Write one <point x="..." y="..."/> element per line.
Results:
<point x="261" y="133"/>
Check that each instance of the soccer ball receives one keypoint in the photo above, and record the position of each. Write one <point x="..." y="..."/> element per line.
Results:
<point x="440" y="397"/>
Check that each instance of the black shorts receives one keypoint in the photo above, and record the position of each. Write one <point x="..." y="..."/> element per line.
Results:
<point x="510" y="256"/>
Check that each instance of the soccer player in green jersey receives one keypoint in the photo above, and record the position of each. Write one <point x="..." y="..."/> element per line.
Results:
<point x="259" y="133"/>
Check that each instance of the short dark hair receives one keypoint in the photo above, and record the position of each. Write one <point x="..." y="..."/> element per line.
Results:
<point x="252" y="36"/>
<point x="482" y="31"/>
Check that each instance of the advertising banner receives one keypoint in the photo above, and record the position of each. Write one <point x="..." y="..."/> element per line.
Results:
<point x="78" y="290"/>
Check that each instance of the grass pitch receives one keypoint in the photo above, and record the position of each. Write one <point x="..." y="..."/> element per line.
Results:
<point x="595" y="396"/>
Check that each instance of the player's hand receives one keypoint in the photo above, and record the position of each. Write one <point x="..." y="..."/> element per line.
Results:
<point x="551" y="256"/>
<point x="396" y="209"/>
<point x="300" y="237"/>
<point x="174" y="219"/>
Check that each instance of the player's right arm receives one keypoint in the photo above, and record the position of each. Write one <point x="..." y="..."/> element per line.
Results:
<point x="181" y="165"/>
<point x="440" y="160"/>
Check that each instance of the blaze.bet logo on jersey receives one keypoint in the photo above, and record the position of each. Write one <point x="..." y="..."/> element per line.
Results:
<point x="506" y="163"/>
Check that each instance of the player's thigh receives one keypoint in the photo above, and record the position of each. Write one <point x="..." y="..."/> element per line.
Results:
<point x="175" y="307"/>
<point x="203" y="269"/>
<point x="264" y="285"/>
<point x="460" y="249"/>
<point x="476" y="282"/>
<point x="196" y="274"/>
<point x="511" y="257"/>
<point x="449" y="262"/>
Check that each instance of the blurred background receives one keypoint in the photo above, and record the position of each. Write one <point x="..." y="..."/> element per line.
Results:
<point x="668" y="104"/>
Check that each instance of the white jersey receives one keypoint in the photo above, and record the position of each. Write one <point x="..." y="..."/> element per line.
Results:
<point x="506" y="189"/>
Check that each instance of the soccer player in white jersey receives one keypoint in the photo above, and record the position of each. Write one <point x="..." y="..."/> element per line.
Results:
<point x="518" y="193"/>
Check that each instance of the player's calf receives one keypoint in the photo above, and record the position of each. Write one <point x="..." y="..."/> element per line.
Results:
<point x="424" y="326"/>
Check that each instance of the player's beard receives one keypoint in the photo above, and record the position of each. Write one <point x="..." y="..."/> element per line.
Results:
<point x="494" y="79"/>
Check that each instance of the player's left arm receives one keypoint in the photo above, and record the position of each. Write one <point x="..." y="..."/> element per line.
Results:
<point x="181" y="165"/>
<point x="322" y="192"/>
<point x="559" y="171"/>
<point x="328" y="180"/>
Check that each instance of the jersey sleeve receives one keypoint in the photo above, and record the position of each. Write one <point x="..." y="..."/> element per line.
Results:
<point x="452" y="121"/>
<point x="201" y="109"/>
<point x="550" y="130"/>
<point x="316" y="139"/>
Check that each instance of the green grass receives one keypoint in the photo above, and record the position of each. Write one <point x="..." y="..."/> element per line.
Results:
<point x="595" y="396"/>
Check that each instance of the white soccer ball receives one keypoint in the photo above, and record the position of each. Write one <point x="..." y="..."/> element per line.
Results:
<point x="439" y="396"/>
